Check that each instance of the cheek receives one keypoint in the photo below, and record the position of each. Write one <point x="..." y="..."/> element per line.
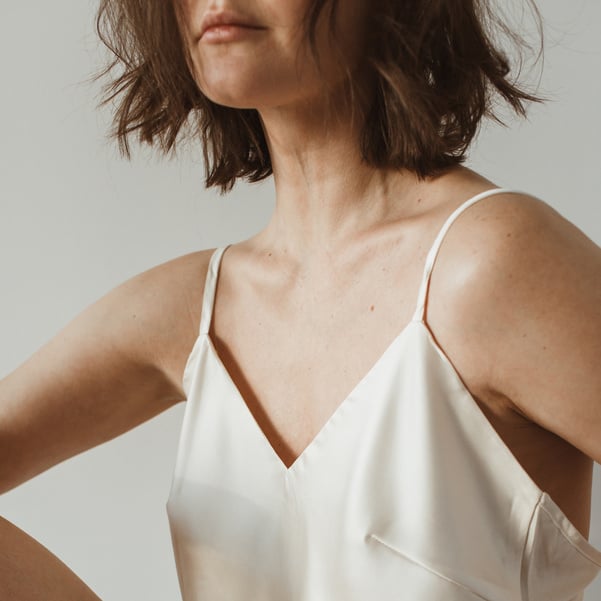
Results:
<point x="189" y="14"/>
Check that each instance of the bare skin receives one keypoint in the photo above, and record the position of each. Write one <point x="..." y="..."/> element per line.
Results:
<point x="121" y="361"/>
<point x="514" y="302"/>
<point x="29" y="571"/>
<point x="283" y="332"/>
<point x="109" y="370"/>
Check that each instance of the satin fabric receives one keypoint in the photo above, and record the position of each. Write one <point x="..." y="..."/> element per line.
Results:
<point x="407" y="493"/>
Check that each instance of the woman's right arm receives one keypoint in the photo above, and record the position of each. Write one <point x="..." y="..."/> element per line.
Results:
<point x="30" y="572"/>
<point x="116" y="365"/>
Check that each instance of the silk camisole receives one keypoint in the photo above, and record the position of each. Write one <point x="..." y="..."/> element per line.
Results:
<point x="407" y="493"/>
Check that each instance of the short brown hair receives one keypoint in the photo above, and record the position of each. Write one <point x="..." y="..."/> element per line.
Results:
<point x="436" y="68"/>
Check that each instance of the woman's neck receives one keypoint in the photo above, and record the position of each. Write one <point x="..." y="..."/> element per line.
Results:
<point x="325" y="192"/>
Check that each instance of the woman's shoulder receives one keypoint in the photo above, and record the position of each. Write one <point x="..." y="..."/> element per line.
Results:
<point x="516" y="293"/>
<point x="512" y="259"/>
<point x="176" y="284"/>
<point x="167" y="301"/>
<point x="514" y="240"/>
<point x="501" y="226"/>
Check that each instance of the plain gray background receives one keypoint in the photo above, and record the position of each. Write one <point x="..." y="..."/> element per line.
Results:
<point x="76" y="220"/>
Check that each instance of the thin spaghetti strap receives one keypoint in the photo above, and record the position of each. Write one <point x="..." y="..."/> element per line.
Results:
<point x="433" y="253"/>
<point x="208" y="298"/>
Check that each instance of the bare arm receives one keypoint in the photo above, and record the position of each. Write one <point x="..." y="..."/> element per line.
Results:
<point x="116" y="365"/>
<point x="526" y="286"/>
<point x="29" y="572"/>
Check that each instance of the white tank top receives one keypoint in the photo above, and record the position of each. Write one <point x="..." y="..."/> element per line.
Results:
<point x="407" y="493"/>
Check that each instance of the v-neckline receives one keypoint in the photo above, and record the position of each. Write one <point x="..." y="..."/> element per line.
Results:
<point x="340" y="407"/>
<point x="418" y="317"/>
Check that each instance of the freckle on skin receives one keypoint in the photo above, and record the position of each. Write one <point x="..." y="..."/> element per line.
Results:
<point x="371" y="308"/>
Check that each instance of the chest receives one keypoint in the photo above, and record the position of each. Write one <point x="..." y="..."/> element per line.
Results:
<point x="392" y="484"/>
<point x="294" y="359"/>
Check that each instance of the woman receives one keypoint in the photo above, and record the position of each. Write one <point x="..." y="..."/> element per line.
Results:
<point x="377" y="382"/>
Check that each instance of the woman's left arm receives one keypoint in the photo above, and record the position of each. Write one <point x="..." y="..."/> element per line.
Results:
<point x="527" y="290"/>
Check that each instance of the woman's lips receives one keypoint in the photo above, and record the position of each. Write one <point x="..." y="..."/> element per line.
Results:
<point x="223" y="20"/>
<point x="228" y="33"/>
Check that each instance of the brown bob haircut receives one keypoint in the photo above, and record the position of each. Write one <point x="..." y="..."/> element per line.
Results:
<point x="436" y="66"/>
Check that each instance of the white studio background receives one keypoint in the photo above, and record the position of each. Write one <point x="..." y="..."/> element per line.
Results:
<point x="76" y="220"/>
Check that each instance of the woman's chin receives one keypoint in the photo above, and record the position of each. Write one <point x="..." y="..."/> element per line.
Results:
<point x="231" y="93"/>
<point x="234" y="101"/>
